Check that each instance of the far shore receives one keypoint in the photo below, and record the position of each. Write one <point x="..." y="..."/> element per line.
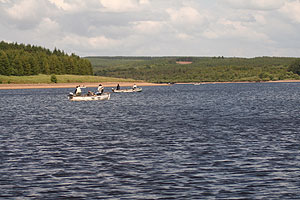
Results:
<point x="73" y="85"/>
<point x="279" y="81"/>
<point x="111" y="84"/>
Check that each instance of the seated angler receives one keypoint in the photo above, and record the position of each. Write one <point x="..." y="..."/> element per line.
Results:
<point x="100" y="89"/>
<point x="77" y="91"/>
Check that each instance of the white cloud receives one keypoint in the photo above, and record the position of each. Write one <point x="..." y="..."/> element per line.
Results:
<point x="144" y="2"/>
<point x="184" y="36"/>
<point x="26" y="9"/>
<point x="98" y="42"/>
<point x="256" y="4"/>
<point x="23" y="14"/>
<point x="148" y="27"/>
<point x="211" y="34"/>
<point x="291" y="9"/>
<point x="76" y="5"/>
<point x="185" y="15"/>
<point x="260" y="19"/>
<point x="225" y="28"/>
<point x="47" y="27"/>
<point x="121" y="5"/>
<point x="186" y="23"/>
<point x="102" y="42"/>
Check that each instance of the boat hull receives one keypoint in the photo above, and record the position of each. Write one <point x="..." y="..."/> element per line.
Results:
<point x="105" y="96"/>
<point x="127" y="90"/>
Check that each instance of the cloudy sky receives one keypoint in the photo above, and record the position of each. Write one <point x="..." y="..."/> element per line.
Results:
<point x="242" y="28"/>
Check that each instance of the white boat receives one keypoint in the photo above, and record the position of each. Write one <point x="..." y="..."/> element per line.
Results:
<point x="127" y="90"/>
<point x="104" y="96"/>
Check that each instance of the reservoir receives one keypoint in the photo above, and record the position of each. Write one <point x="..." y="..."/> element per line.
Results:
<point x="210" y="141"/>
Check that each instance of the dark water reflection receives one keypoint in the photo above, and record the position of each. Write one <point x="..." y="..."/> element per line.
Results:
<point x="214" y="141"/>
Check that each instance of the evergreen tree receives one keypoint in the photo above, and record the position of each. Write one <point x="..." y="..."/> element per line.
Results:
<point x="21" y="59"/>
<point x="5" y="68"/>
<point x="35" y="68"/>
<point x="18" y="66"/>
<point x="27" y="69"/>
<point x="53" y="64"/>
<point x="47" y="68"/>
<point x="53" y="78"/>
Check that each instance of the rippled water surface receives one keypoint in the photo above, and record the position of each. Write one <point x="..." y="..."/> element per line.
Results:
<point x="213" y="141"/>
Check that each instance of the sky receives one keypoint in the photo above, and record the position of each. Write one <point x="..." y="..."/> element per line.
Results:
<point x="230" y="28"/>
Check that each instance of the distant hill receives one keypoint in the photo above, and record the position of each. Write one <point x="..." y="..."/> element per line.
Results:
<point x="194" y="69"/>
<point x="24" y="60"/>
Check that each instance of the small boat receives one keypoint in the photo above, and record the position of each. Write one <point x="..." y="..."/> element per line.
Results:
<point x="127" y="90"/>
<point x="104" y="96"/>
<point x="198" y="83"/>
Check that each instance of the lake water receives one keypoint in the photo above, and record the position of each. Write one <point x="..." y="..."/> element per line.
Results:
<point x="213" y="141"/>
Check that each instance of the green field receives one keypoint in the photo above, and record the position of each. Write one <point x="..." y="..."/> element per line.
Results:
<point x="60" y="79"/>
<point x="202" y="69"/>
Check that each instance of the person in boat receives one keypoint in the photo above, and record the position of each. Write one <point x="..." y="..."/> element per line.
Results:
<point x="118" y="87"/>
<point x="134" y="86"/>
<point x="77" y="91"/>
<point x="100" y="89"/>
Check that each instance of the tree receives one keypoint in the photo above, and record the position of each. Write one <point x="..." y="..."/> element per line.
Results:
<point x="53" y="78"/>
<point x="21" y="59"/>
<point x="47" y="68"/>
<point x="295" y="67"/>
<point x="5" y="68"/>
<point x="26" y="64"/>
<point x="35" y="68"/>
<point x="18" y="66"/>
<point x="27" y="69"/>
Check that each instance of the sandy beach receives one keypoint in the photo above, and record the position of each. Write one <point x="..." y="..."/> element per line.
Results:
<point x="72" y="85"/>
<point x="108" y="84"/>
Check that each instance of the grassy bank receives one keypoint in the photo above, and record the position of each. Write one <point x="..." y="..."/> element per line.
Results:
<point x="38" y="79"/>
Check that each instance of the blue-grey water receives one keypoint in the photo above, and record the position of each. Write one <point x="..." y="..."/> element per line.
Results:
<point x="213" y="141"/>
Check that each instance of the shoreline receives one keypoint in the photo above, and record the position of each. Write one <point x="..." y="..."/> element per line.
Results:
<point x="114" y="84"/>
<point x="280" y="81"/>
<point x="73" y="85"/>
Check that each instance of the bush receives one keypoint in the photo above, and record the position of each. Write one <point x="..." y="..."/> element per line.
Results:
<point x="295" y="67"/>
<point x="53" y="78"/>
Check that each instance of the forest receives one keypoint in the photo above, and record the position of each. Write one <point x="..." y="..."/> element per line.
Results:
<point x="28" y="60"/>
<point x="196" y="69"/>
<point x="25" y="60"/>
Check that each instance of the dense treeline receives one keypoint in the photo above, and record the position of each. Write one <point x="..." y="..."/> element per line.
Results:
<point x="23" y="60"/>
<point x="202" y="69"/>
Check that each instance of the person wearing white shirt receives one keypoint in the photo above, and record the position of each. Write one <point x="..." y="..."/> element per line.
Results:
<point x="78" y="91"/>
<point x="100" y="89"/>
